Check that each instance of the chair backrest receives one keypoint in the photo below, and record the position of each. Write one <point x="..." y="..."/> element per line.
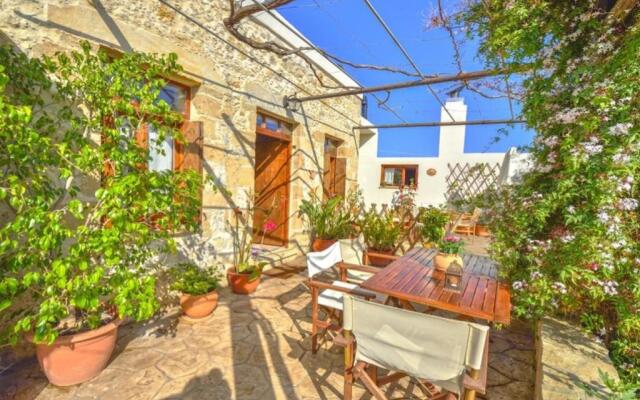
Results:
<point x="420" y="345"/>
<point x="320" y="261"/>
<point x="352" y="250"/>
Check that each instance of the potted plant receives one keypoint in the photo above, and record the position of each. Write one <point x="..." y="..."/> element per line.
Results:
<point x="198" y="287"/>
<point x="329" y="221"/>
<point x="432" y="222"/>
<point x="245" y="274"/>
<point x="82" y="221"/>
<point x="382" y="233"/>
<point x="449" y="251"/>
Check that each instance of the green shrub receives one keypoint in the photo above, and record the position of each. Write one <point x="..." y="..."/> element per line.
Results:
<point x="72" y="258"/>
<point x="328" y="219"/>
<point x="188" y="278"/>
<point x="382" y="230"/>
<point x="432" y="222"/>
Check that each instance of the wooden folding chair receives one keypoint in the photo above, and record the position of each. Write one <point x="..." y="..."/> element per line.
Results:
<point x="447" y="358"/>
<point x="328" y="295"/>
<point x="468" y="222"/>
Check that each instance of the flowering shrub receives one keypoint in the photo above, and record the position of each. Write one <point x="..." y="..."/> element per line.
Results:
<point x="451" y="245"/>
<point x="567" y="233"/>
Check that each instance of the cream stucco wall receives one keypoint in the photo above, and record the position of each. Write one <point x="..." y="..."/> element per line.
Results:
<point x="231" y="82"/>
<point x="431" y="189"/>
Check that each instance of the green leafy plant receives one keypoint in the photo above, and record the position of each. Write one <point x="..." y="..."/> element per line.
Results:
<point x="188" y="278"/>
<point x="432" y="221"/>
<point x="82" y="218"/>
<point x="244" y="256"/>
<point x="382" y="230"/>
<point x="566" y="233"/>
<point x="329" y="219"/>
<point x="451" y="245"/>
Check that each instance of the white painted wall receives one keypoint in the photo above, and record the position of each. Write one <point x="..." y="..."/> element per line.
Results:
<point x="431" y="189"/>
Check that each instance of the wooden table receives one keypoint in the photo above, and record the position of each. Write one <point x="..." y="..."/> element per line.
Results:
<point x="413" y="279"/>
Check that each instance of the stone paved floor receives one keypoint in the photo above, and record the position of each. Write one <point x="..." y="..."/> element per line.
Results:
<point x="253" y="347"/>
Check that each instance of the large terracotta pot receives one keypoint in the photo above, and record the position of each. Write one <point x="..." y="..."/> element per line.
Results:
<point x="376" y="258"/>
<point x="240" y="284"/>
<point x="321" y="244"/>
<point x="199" y="306"/>
<point x="442" y="260"/>
<point x="74" y="359"/>
<point x="482" y="230"/>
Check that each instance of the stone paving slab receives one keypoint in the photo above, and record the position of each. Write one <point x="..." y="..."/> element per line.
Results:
<point x="253" y="347"/>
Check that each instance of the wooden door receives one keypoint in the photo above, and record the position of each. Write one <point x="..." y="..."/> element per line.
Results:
<point x="272" y="178"/>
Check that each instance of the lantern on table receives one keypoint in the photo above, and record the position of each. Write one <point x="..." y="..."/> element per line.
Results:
<point x="453" y="277"/>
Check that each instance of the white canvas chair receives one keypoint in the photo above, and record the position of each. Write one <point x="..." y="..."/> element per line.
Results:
<point x="328" y="295"/>
<point x="447" y="357"/>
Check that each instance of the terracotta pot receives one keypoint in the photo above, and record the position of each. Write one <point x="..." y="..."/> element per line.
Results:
<point x="240" y="284"/>
<point x="76" y="358"/>
<point x="375" y="258"/>
<point x="442" y="260"/>
<point x="199" y="306"/>
<point x="321" y="244"/>
<point x="482" y="230"/>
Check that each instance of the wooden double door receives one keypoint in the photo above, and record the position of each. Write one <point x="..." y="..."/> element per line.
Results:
<point x="272" y="178"/>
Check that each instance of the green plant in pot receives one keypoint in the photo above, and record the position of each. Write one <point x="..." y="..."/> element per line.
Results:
<point x="328" y="220"/>
<point x="82" y="217"/>
<point x="245" y="275"/>
<point x="382" y="232"/>
<point x="197" y="287"/>
<point x="432" y="221"/>
<point x="450" y="248"/>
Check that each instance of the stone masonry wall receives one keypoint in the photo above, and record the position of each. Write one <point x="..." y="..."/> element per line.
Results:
<point x="231" y="82"/>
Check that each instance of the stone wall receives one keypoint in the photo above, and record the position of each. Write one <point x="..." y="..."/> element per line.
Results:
<point x="230" y="83"/>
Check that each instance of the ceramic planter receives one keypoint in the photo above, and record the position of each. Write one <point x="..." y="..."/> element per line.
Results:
<point x="482" y="230"/>
<point x="377" y="258"/>
<point x="321" y="244"/>
<point x="442" y="260"/>
<point x="240" y="283"/>
<point x="199" y="306"/>
<point x="76" y="358"/>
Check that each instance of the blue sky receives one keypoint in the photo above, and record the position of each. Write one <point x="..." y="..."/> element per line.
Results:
<point x="348" y="30"/>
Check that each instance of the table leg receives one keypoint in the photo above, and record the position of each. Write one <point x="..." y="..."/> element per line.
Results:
<point x="407" y="305"/>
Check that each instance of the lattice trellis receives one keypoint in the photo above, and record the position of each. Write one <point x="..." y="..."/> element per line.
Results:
<point x="466" y="180"/>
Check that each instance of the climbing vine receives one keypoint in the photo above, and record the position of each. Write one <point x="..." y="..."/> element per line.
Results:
<point x="567" y="235"/>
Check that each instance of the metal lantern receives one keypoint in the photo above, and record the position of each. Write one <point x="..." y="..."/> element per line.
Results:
<point x="453" y="277"/>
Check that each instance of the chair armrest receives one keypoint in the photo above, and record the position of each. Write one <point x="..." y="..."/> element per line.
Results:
<point x="358" y="291"/>
<point x="363" y="268"/>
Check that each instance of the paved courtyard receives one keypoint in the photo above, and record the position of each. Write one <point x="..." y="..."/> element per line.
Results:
<point x="253" y="347"/>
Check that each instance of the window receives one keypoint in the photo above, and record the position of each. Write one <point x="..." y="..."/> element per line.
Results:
<point x="162" y="155"/>
<point x="398" y="176"/>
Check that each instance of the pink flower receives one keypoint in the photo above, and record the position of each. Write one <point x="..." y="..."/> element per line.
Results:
<point x="269" y="226"/>
<point x="452" y="239"/>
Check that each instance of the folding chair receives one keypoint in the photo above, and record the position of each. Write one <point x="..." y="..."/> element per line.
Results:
<point x="448" y="358"/>
<point x="468" y="222"/>
<point x="329" y="295"/>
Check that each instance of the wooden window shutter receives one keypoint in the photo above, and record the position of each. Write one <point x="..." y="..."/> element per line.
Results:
<point x="188" y="155"/>
<point x="340" y="177"/>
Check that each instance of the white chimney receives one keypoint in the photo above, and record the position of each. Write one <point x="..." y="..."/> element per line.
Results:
<point x="452" y="137"/>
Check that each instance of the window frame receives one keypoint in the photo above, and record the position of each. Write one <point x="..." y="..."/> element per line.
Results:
<point x="403" y="167"/>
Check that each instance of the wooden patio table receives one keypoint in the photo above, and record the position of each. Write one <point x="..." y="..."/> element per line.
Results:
<point x="412" y="278"/>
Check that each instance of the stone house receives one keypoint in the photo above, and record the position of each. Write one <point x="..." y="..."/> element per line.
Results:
<point x="233" y="94"/>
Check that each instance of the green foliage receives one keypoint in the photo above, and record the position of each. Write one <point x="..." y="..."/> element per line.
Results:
<point x="188" y="278"/>
<point x="567" y="233"/>
<point x="328" y="219"/>
<point x="75" y="242"/>
<point x="382" y="230"/>
<point x="432" y="221"/>
<point x="451" y="245"/>
<point x="244" y="257"/>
